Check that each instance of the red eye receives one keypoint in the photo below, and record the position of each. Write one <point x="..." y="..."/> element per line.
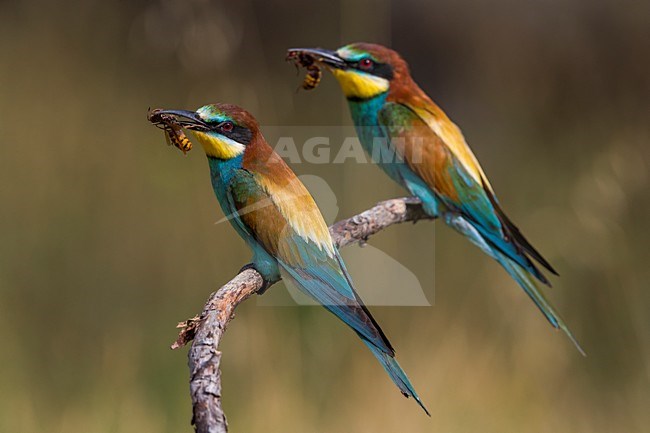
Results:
<point x="366" y="64"/>
<point x="227" y="126"/>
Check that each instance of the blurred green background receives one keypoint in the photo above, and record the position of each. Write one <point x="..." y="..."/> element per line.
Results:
<point x="108" y="237"/>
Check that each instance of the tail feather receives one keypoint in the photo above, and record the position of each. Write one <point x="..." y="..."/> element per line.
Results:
<point x="519" y="241"/>
<point x="531" y="289"/>
<point x="396" y="373"/>
<point x="513" y="250"/>
<point x="514" y="269"/>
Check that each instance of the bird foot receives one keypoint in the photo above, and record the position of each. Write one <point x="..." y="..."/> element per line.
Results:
<point x="265" y="283"/>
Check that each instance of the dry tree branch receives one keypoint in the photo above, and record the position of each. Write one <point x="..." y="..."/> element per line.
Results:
<point x="207" y="329"/>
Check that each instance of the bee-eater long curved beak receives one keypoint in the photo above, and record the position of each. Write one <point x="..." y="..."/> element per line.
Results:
<point x="326" y="57"/>
<point x="187" y="119"/>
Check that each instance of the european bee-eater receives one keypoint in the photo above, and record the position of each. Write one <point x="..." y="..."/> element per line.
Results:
<point x="417" y="145"/>
<point x="277" y="217"/>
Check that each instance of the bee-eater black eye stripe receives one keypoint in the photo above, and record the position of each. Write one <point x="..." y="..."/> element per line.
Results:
<point x="239" y="134"/>
<point x="383" y="70"/>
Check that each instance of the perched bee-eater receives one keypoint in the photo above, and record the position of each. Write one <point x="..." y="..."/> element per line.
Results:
<point x="277" y="217"/>
<point x="417" y="145"/>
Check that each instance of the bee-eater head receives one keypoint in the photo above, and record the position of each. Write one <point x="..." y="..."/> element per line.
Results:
<point x="363" y="70"/>
<point x="224" y="130"/>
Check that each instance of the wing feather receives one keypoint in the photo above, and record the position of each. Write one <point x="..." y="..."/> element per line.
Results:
<point x="433" y="148"/>
<point x="290" y="227"/>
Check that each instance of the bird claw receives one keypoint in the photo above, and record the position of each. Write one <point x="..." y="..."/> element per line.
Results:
<point x="265" y="283"/>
